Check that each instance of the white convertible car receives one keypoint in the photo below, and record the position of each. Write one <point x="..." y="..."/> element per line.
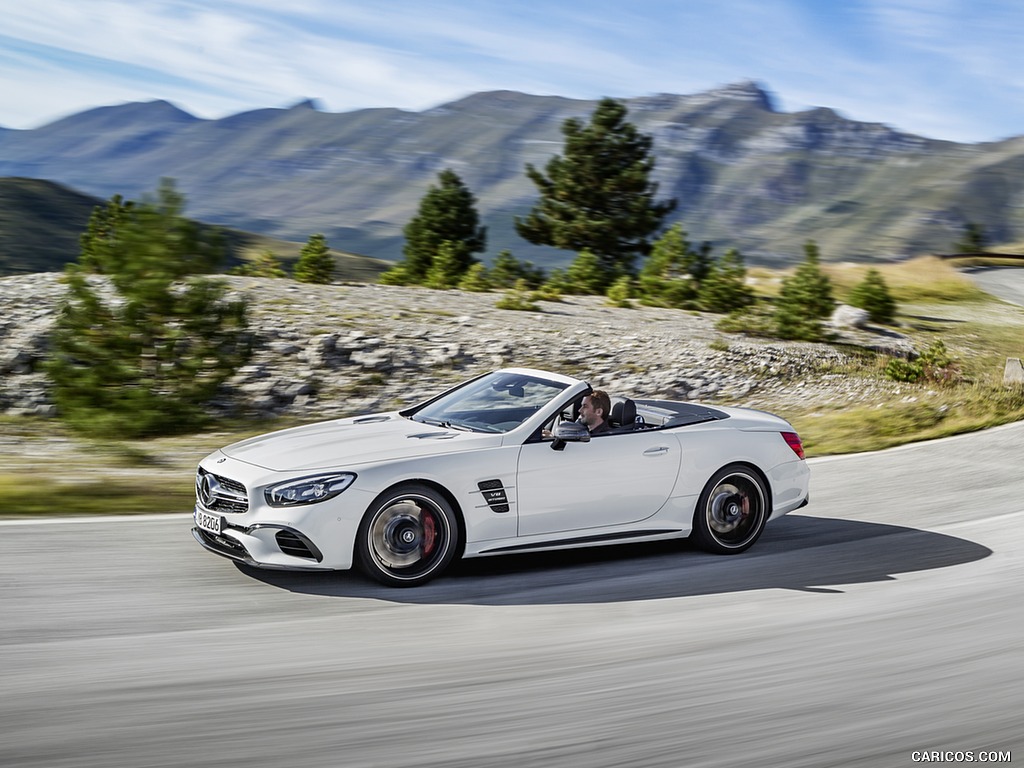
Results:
<point x="498" y="464"/>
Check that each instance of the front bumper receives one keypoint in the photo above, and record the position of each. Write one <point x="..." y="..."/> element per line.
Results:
<point x="317" y="537"/>
<point x="287" y="550"/>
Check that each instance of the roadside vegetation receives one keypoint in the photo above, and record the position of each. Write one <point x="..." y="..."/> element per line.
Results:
<point x="955" y="385"/>
<point x="99" y="476"/>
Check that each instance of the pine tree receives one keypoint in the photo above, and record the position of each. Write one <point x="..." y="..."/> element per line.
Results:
<point x="315" y="263"/>
<point x="99" y="241"/>
<point x="447" y="267"/>
<point x="805" y="298"/>
<point x="507" y="269"/>
<point x="447" y="213"/>
<point x="598" y="196"/>
<point x="585" y="275"/>
<point x="700" y="262"/>
<point x="477" y="279"/>
<point x="150" y="360"/>
<point x="873" y="295"/>
<point x="556" y="284"/>
<point x="620" y="292"/>
<point x="725" y="288"/>
<point x="666" y="279"/>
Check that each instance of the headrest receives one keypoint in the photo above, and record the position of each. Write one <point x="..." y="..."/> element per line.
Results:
<point x="623" y="413"/>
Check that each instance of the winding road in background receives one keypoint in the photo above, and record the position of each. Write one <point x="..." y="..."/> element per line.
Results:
<point x="1006" y="283"/>
<point x="882" y="620"/>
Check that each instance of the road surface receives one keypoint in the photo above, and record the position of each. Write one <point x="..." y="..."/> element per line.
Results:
<point x="881" y="621"/>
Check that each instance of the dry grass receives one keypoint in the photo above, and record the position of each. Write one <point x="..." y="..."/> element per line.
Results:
<point x="923" y="413"/>
<point x="923" y="279"/>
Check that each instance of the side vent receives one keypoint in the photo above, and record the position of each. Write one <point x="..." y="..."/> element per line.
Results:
<point x="494" y="495"/>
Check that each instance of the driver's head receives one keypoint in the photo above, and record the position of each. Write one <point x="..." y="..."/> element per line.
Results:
<point x="595" y="408"/>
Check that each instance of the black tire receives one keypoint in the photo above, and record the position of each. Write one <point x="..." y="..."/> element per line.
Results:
<point x="731" y="512"/>
<point x="408" y="536"/>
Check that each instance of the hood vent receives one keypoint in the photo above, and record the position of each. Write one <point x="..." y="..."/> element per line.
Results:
<point x="371" y="419"/>
<point x="432" y="436"/>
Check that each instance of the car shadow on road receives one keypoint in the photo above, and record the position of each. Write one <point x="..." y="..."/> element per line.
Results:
<point x="798" y="552"/>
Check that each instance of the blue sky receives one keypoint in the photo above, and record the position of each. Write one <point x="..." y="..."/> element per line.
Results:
<point x="949" y="69"/>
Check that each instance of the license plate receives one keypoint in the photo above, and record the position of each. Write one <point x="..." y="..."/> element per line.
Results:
<point x="208" y="522"/>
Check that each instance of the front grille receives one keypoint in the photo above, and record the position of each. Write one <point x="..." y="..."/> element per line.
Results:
<point x="221" y="494"/>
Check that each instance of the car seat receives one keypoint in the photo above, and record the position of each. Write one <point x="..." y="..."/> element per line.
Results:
<point x="623" y="414"/>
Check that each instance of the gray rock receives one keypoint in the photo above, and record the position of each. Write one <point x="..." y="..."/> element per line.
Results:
<point x="846" y="316"/>
<point x="1013" y="374"/>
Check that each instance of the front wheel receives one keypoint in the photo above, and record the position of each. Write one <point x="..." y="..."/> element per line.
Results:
<point x="731" y="512"/>
<point x="407" y="537"/>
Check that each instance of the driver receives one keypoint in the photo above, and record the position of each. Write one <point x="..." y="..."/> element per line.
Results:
<point x="594" y="412"/>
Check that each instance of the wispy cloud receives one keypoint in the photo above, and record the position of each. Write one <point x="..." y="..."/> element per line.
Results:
<point x="947" y="68"/>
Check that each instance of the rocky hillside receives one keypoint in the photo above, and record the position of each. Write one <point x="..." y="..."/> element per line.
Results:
<point x="745" y="174"/>
<point x="326" y="351"/>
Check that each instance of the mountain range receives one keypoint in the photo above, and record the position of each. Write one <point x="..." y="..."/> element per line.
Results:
<point x="745" y="174"/>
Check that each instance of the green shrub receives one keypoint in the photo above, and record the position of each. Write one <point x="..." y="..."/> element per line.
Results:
<point x="397" y="275"/>
<point x="315" y="264"/>
<point x="755" y="320"/>
<point x="448" y="266"/>
<point x="620" y="292"/>
<point x="934" y="365"/>
<point x="266" y="264"/>
<point x="724" y="288"/>
<point x="671" y="275"/>
<point x="518" y="298"/>
<point x="899" y="369"/>
<point x="507" y="269"/>
<point x="476" y="279"/>
<point x="586" y="275"/>
<point x="546" y="292"/>
<point x="872" y="294"/>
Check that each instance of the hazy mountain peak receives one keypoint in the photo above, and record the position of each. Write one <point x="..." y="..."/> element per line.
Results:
<point x="495" y="100"/>
<point x="156" y="111"/>
<point x="745" y="90"/>
<point x="311" y="104"/>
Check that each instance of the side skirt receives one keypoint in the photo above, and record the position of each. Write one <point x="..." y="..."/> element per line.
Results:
<point x="606" y="538"/>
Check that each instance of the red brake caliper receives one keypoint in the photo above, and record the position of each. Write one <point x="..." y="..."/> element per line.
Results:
<point x="429" y="533"/>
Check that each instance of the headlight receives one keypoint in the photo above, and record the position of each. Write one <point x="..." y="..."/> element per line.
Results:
<point x="308" y="490"/>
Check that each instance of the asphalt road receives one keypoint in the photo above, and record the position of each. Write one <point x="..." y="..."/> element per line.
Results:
<point x="883" y="620"/>
<point x="1006" y="283"/>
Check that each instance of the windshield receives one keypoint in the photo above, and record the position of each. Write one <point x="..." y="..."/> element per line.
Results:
<point x="498" y="402"/>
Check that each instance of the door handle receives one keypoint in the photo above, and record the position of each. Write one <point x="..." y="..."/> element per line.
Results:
<point x="661" y="449"/>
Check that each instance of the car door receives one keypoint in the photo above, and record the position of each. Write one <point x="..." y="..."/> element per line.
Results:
<point x="614" y="479"/>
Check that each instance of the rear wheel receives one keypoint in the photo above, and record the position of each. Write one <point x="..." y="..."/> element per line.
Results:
<point x="731" y="512"/>
<point x="407" y="537"/>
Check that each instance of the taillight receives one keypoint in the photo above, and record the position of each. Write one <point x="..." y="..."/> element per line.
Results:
<point x="793" y="441"/>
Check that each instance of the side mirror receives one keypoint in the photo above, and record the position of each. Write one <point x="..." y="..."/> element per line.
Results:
<point x="570" y="432"/>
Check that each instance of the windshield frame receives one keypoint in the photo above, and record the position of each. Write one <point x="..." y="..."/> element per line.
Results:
<point x="477" y="405"/>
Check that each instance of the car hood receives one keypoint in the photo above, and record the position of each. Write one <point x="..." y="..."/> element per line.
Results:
<point x="350" y="442"/>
